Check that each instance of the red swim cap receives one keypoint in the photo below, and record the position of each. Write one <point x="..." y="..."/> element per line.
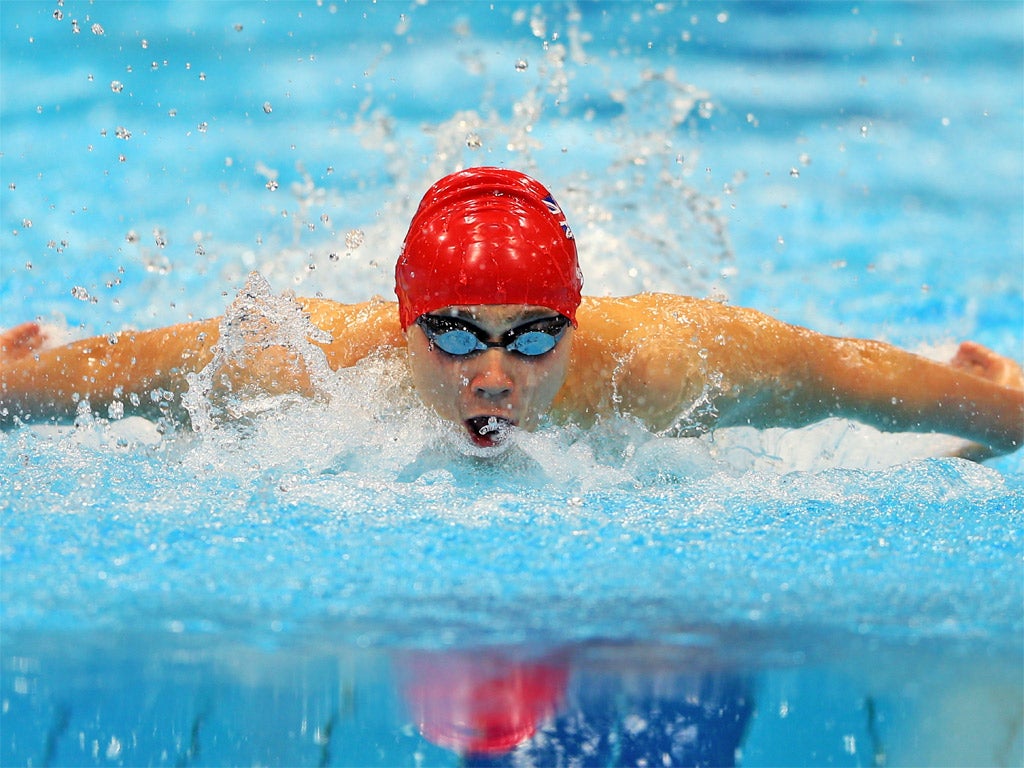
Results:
<point x="487" y="236"/>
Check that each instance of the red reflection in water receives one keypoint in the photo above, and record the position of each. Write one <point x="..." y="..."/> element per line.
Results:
<point x="481" y="703"/>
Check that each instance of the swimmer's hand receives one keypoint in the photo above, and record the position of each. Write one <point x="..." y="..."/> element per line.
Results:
<point x="20" y="341"/>
<point x="986" y="364"/>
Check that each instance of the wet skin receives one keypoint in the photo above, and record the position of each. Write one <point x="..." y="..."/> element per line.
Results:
<point x="513" y="389"/>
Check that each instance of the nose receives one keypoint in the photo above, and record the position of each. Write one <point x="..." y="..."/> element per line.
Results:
<point x="491" y="378"/>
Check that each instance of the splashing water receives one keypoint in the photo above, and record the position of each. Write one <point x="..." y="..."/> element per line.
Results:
<point x="257" y="324"/>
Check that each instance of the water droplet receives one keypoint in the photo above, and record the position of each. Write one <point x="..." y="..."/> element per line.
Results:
<point x="473" y="141"/>
<point x="26" y="223"/>
<point x="267" y="108"/>
<point x="794" y="172"/>
<point x="80" y="293"/>
<point x="58" y="14"/>
<point x="159" y="238"/>
<point x="122" y="133"/>
<point x="116" y="86"/>
<point x="332" y="256"/>
<point x="144" y="43"/>
<point x="238" y="27"/>
<point x="272" y="185"/>
<point x="202" y="127"/>
<point x="522" y="65"/>
<point x="354" y="238"/>
<point x="97" y="29"/>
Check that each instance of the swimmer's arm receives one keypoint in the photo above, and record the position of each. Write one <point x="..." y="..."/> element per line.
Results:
<point x="671" y="352"/>
<point x="782" y="375"/>
<point x="978" y="396"/>
<point x="143" y="370"/>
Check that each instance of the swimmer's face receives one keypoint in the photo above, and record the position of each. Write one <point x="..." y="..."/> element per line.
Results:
<point x="512" y="388"/>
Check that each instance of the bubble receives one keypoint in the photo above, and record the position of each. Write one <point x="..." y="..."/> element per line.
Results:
<point x="97" y="29"/>
<point x="272" y="185"/>
<point x="122" y="133"/>
<point x="473" y="141"/>
<point x="80" y="293"/>
<point x="116" y="86"/>
<point x="267" y="108"/>
<point x="522" y="65"/>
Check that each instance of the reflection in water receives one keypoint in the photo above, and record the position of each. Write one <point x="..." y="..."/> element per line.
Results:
<point x="193" y="699"/>
<point x="496" y="707"/>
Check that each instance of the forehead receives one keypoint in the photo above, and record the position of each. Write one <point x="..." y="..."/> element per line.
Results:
<point x="497" y="315"/>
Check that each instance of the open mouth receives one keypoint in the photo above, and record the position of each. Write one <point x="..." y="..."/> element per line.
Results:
<point x="486" y="431"/>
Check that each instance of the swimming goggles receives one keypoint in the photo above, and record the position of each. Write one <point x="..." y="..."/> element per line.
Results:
<point x="458" y="337"/>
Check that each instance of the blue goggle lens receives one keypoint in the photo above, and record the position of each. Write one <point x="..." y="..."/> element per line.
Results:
<point x="457" y="337"/>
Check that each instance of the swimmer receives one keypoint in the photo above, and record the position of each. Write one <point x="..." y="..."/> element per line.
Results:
<point x="498" y="337"/>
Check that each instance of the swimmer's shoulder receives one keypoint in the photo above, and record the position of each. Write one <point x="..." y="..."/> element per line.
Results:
<point x="617" y="316"/>
<point x="357" y="330"/>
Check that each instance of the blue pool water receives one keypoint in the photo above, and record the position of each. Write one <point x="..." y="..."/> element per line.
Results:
<point x="329" y="582"/>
